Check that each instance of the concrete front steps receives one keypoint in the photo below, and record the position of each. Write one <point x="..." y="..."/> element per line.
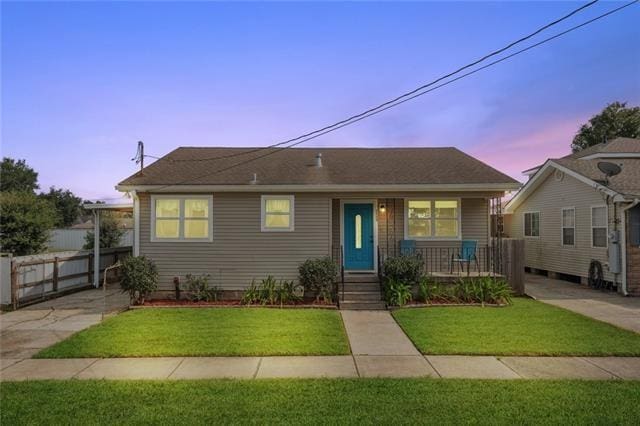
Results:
<point x="361" y="292"/>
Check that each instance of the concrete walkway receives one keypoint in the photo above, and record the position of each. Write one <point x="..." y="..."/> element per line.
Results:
<point x="446" y="366"/>
<point x="26" y="331"/>
<point x="376" y="333"/>
<point x="609" y="307"/>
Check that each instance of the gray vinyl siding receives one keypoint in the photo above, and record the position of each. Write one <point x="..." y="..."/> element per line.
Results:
<point x="240" y="252"/>
<point x="547" y="252"/>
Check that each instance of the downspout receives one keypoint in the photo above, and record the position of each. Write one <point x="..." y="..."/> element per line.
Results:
<point x="136" y="223"/>
<point x="96" y="248"/>
<point x="623" y="243"/>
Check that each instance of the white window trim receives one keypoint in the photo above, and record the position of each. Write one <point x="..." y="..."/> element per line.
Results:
<point x="524" y="234"/>
<point x="606" y="209"/>
<point x="458" y="237"/>
<point x="562" y="227"/>
<point x="263" y="213"/>
<point x="181" y="238"/>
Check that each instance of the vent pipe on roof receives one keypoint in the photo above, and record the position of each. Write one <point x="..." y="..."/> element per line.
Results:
<point x="254" y="180"/>
<point x="319" y="160"/>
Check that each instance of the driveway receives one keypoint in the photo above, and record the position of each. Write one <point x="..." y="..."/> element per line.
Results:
<point x="26" y="331"/>
<point x="609" y="307"/>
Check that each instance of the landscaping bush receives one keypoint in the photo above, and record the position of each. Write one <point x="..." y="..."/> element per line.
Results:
<point x="477" y="290"/>
<point x="199" y="289"/>
<point x="139" y="278"/>
<point x="406" y="268"/>
<point x="397" y="293"/>
<point x="271" y="292"/>
<point x="318" y="276"/>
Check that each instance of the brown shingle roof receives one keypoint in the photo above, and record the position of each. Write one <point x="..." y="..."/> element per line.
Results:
<point x="627" y="182"/>
<point x="614" y="146"/>
<point x="340" y="166"/>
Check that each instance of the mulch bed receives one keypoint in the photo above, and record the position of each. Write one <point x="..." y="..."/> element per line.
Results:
<point x="185" y="303"/>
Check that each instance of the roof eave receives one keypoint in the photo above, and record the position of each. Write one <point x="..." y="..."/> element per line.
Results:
<point x="463" y="187"/>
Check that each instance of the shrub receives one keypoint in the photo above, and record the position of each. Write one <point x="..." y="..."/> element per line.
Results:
<point x="271" y="292"/>
<point x="318" y="276"/>
<point x="397" y="293"/>
<point x="25" y="221"/>
<point x="404" y="268"/>
<point x="478" y="290"/>
<point x="199" y="288"/>
<point x="139" y="278"/>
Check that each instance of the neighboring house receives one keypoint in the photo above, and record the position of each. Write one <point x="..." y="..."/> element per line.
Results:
<point x="195" y="213"/>
<point x="73" y="238"/>
<point x="569" y="214"/>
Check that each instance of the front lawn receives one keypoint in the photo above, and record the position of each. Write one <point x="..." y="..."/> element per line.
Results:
<point x="527" y="327"/>
<point x="369" y="401"/>
<point x="208" y="332"/>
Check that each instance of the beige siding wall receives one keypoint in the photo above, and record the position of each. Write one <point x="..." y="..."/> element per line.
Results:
<point x="240" y="252"/>
<point x="547" y="252"/>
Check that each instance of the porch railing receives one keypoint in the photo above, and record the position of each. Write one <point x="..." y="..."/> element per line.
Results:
<point x="438" y="260"/>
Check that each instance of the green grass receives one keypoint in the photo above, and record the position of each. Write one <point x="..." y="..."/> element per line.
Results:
<point x="208" y="332"/>
<point x="527" y="327"/>
<point x="369" y="401"/>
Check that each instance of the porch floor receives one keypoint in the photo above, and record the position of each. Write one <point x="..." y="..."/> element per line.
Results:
<point x="472" y="274"/>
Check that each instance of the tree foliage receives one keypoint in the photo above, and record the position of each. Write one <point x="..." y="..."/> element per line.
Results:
<point x="615" y="120"/>
<point x="66" y="204"/>
<point x="17" y="176"/>
<point x="110" y="233"/>
<point x="25" y="220"/>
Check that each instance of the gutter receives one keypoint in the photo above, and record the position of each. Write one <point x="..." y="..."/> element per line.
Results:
<point x="623" y="241"/>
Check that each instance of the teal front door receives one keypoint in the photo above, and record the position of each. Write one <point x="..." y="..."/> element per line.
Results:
<point x="358" y="237"/>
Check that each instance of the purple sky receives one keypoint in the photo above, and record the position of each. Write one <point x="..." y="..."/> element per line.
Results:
<point x="82" y="82"/>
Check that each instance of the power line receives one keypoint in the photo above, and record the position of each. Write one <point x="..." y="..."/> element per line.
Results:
<point x="399" y="102"/>
<point x="396" y="99"/>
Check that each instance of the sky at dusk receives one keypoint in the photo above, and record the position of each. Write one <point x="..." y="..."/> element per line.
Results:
<point x="83" y="82"/>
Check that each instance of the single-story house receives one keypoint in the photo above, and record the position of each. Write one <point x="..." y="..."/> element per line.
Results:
<point x="572" y="215"/>
<point x="241" y="214"/>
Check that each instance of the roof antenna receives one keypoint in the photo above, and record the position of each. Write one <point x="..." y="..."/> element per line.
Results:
<point x="139" y="158"/>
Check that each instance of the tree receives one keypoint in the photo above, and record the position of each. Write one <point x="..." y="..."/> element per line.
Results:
<point x="615" y="120"/>
<point x="17" y="176"/>
<point x="110" y="233"/>
<point x="66" y="204"/>
<point x="25" y="221"/>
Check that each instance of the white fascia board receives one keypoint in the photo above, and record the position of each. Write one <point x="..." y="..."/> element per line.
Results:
<point x="541" y="174"/>
<point x="465" y="187"/>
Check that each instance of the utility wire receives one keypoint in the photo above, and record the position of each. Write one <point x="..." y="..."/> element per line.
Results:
<point x="392" y="101"/>
<point x="399" y="102"/>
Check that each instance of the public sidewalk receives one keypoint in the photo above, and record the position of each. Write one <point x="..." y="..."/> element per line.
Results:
<point x="445" y="366"/>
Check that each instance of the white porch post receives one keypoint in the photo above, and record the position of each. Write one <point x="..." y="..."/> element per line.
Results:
<point x="96" y="248"/>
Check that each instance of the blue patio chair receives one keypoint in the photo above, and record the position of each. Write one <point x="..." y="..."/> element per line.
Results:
<point x="467" y="254"/>
<point x="407" y="247"/>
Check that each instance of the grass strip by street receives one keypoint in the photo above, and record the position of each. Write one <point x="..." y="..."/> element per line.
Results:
<point x="526" y="328"/>
<point x="208" y="332"/>
<point x="380" y="401"/>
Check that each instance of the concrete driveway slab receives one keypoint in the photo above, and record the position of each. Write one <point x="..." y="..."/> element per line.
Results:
<point x="623" y="367"/>
<point x="131" y="368"/>
<point x="307" y="367"/>
<point x="45" y="369"/>
<point x="6" y="362"/>
<point x="394" y="366"/>
<point x="216" y="368"/>
<point x="609" y="307"/>
<point x="470" y="367"/>
<point x="555" y="368"/>
<point x="376" y="333"/>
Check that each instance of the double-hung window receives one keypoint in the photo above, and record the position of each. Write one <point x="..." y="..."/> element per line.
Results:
<point x="277" y="213"/>
<point x="532" y="224"/>
<point x="427" y="219"/>
<point x="599" y="226"/>
<point x="181" y="218"/>
<point x="568" y="226"/>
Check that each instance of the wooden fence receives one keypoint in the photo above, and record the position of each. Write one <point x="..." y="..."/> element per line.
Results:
<point x="43" y="276"/>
